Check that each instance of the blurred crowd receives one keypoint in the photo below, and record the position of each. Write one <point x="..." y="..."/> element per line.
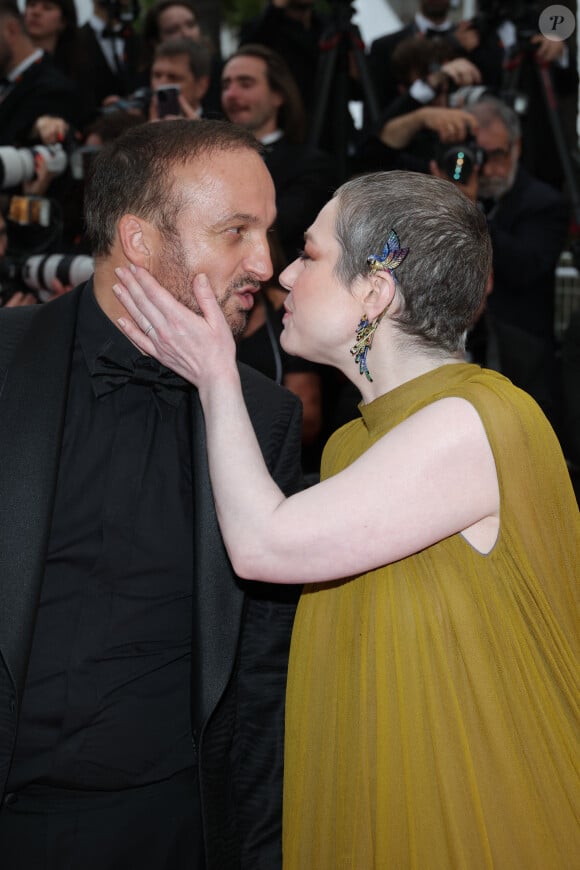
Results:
<point x="488" y="103"/>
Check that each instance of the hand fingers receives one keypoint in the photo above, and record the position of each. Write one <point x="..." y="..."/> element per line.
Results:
<point x="206" y="297"/>
<point x="136" y="335"/>
<point x="129" y="293"/>
<point x="19" y="299"/>
<point x="144" y="298"/>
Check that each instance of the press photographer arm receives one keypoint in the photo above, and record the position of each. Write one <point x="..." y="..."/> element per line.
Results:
<point x="451" y="125"/>
<point x="50" y="129"/>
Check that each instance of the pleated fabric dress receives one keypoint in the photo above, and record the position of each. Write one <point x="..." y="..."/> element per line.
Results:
<point x="432" y="707"/>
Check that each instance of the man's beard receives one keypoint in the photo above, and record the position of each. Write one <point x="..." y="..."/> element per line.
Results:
<point x="496" y="187"/>
<point x="178" y="278"/>
<point x="435" y="12"/>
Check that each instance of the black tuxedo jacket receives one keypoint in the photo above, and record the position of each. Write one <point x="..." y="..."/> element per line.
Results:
<point x="94" y="75"/>
<point x="304" y="179"/>
<point x="241" y="630"/>
<point x="528" y="232"/>
<point x="380" y="66"/>
<point x="42" y="89"/>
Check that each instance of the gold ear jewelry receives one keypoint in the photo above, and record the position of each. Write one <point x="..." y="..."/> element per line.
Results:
<point x="365" y="332"/>
<point x="392" y="256"/>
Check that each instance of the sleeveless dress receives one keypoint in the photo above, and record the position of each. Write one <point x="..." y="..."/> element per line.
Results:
<point x="432" y="705"/>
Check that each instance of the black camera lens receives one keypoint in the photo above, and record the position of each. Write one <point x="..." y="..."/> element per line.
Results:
<point x="459" y="159"/>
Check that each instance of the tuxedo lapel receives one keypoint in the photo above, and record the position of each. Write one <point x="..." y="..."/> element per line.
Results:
<point x="32" y="407"/>
<point x="217" y="596"/>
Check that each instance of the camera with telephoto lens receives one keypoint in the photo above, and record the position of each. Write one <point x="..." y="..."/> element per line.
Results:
<point x="138" y="101"/>
<point x="36" y="273"/>
<point x="19" y="164"/>
<point x="458" y="159"/>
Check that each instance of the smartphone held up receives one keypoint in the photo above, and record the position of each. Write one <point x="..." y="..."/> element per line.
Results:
<point x="167" y="97"/>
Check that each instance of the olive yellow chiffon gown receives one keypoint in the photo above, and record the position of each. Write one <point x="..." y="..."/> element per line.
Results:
<point x="432" y="708"/>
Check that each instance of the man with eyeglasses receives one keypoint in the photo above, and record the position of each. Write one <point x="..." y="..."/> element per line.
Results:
<point x="528" y="222"/>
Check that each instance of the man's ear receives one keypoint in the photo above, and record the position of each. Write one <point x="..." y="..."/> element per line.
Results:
<point x="137" y="239"/>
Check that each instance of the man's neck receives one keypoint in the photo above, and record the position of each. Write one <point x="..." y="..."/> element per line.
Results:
<point x="265" y="130"/>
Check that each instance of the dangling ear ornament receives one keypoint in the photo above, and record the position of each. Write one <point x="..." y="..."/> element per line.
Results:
<point x="392" y="256"/>
<point x="365" y="332"/>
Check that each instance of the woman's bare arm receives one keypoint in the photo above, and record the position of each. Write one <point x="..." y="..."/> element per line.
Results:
<point x="430" y="477"/>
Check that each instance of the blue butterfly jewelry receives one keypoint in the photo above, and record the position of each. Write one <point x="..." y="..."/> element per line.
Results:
<point x="392" y="256"/>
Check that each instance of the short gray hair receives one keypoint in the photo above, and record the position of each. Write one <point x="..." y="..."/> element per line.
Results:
<point x="490" y="108"/>
<point x="444" y="276"/>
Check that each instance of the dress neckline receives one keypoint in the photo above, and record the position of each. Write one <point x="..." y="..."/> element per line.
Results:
<point x="403" y="400"/>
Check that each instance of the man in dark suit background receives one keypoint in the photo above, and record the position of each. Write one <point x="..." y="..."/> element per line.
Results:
<point x="109" y="52"/>
<point x="431" y="21"/>
<point x="141" y="683"/>
<point x="31" y="84"/>
<point x="528" y="224"/>
<point x="260" y="94"/>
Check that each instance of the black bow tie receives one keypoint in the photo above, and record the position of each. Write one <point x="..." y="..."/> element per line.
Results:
<point x="432" y="33"/>
<point x="109" y="375"/>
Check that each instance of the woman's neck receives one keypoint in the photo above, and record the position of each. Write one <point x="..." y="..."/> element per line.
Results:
<point x="395" y="359"/>
<point x="47" y="43"/>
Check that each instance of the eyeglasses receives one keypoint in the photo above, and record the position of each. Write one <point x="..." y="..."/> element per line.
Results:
<point x="499" y="156"/>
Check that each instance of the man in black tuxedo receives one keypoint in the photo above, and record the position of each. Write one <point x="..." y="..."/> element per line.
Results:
<point x="31" y="84"/>
<point x="260" y="94"/>
<point x="141" y="682"/>
<point x="293" y="29"/>
<point x="109" y="52"/>
<point x="432" y="21"/>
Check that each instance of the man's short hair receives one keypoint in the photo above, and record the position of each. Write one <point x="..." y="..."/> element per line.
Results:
<point x="444" y="276"/>
<point x="490" y="108"/>
<point x="197" y="53"/>
<point x="134" y="173"/>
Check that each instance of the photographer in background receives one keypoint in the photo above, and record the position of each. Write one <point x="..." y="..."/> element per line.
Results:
<point x="260" y="94"/>
<point x="52" y="25"/>
<point x="511" y="55"/>
<point x="293" y="29"/>
<point x="31" y="84"/>
<point x="109" y="53"/>
<point x="528" y="223"/>
<point x="431" y="24"/>
<point x="536" y="75"/>
<point x="177" y="19"/>
<point x="409" y="129"/>
<point x="185" y="64"/>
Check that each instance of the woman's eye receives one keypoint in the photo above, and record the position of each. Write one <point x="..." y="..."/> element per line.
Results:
<point x="302" y="255"/>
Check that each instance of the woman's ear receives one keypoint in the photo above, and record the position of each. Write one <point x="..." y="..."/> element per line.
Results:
<point x="377" y="293"/>
<point x="137" y="239"/>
